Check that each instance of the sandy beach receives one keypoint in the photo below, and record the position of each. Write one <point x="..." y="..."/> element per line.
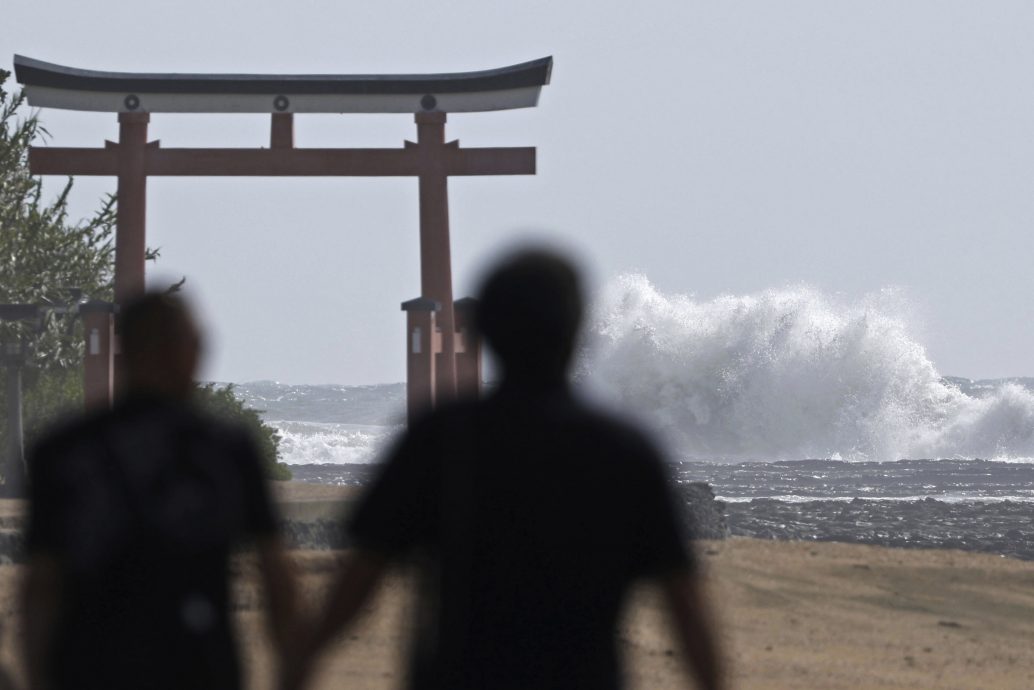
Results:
<point x="793" y="615"/>
<point x="801" y="615"/>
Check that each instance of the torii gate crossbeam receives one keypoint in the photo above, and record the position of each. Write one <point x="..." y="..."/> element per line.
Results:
<point x="432" y="329"/>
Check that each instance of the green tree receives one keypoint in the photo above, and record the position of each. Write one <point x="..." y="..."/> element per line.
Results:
<point x="42" y="257"/>
<point x="45" y="259"/>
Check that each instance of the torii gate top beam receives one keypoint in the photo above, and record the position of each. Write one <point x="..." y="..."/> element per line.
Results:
<point x="56" y="86"/>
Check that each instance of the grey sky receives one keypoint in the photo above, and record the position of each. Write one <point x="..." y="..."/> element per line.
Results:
<point x="716" y="147"/>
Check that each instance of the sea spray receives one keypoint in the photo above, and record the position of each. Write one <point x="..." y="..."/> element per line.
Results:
<point x="305" y="443"/>
<point x="789" y="374"/>
<point x="783" y="374"/>
<point x="329" y="423"/>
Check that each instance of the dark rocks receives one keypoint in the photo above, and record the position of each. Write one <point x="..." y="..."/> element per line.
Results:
<point x="826" y="479"/>
<point x="994" y="527"/>
<point x="703" y="516"/>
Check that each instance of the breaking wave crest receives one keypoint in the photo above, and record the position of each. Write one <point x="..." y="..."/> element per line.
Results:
<point x="790" y="374"/>
<point x="304" y="443"/>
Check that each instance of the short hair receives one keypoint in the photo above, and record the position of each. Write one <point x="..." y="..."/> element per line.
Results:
<point x="153" y="322"/>
<point x="530" y="310"/>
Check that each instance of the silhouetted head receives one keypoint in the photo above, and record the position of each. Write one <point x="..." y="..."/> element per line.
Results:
<point x="529" y="312"/>
<point x="161" y="345"/>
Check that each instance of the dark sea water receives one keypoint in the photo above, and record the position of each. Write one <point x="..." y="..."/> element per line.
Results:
<point x="948" y="481"/>
<point x="333" y="435"/>
<point x="973" y="505"/>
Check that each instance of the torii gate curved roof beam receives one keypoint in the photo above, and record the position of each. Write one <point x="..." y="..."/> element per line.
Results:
<point x="56" y="86"/>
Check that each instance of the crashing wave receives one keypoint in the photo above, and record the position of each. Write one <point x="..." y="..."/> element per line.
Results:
<point x="790" y="374"/>
<point x="304" y="443"/>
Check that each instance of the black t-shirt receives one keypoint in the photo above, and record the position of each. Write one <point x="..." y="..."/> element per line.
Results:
<point x="530" y="516"/>
<point x="141" y="507"/>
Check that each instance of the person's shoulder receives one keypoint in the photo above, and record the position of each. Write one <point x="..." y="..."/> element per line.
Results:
<point x="611" y="427"/>
<point x="208" y="424"/>
<point x="424" y="432"/>
<point x="72" y="430"/>
<point x="458" y="411"/>
<point x="185" y="419"/>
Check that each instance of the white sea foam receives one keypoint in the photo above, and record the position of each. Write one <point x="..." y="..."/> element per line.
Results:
<point x="303" y="443"/>
<point x="790" y="374"/>
<point x="973" y="497"/>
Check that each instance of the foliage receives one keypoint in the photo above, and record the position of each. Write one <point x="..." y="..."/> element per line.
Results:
<point x="47" y="260"/>
<point x="222" y="402"/>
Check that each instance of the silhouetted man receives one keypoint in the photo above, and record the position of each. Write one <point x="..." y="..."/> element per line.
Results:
<point x="530" y="515"/>
<point x="134" y="512"/>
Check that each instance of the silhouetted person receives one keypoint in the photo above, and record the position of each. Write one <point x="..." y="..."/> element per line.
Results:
<point x="530" y="516"/>
<point x="134" y="512"/>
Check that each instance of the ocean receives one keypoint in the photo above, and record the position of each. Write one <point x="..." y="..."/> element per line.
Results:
<point x="789" y="394"/>
<point x="334" y="434"/>
<point x="809" y="417"/>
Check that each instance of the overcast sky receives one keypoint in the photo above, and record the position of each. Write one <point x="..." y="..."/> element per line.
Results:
<point x="716" y="147"/>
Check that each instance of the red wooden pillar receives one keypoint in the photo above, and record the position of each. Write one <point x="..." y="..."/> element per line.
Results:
<point x="435" y="265"/>
<point x="468" y="355"/>
<point x="130" y="237"/>
<point x="422" y="346"/>
<point x="131" y="221"/>
<point x="99" y="361"/>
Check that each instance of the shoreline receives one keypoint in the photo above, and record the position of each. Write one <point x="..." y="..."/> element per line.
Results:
<point x="994" y="527"/>
<point x="311" y="518"/>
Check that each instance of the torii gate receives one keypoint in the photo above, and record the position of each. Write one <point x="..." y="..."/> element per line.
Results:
<point x="441" y="359"/>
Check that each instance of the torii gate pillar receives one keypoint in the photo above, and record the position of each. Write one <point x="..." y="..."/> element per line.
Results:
<point x="435" y="251"/>
<point x="468" y="355"/>
<point x="98" y="356"/>
<point x="422" y="348"/>
<point x="131" y="221"/>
